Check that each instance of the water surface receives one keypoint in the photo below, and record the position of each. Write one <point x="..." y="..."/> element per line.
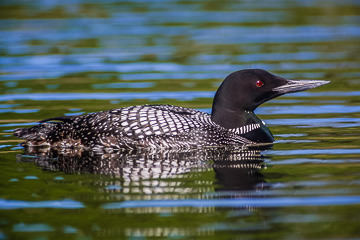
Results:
<point x="73" y="57"/>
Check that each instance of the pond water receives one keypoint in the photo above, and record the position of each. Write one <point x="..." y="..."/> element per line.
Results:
<point x="73" y="57"/>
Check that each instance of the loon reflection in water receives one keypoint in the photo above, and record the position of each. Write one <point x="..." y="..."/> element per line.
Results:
<point x="235" y="169"/>
<point x="232" y="120"/>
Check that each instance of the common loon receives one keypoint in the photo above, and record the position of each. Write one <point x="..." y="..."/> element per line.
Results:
<point x="231" y="122"/>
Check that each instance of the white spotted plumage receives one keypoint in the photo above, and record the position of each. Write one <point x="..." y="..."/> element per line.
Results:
<point x="146" y="126"/>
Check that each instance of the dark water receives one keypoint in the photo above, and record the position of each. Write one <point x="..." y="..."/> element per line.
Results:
<point x="72" y="57"/>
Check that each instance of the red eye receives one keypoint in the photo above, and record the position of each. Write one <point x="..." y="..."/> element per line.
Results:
<point x="259" y="83"/>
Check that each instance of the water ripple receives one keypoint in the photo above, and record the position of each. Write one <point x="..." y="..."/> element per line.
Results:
<point x="317" y="122"/>
<point x="63" y="204"/>
<point x="241" y="202"/>
<point x="187" y="95"/>
<point x="124" y="85"/>
<point x="313" y="151"/>
<point x="181" y="95"/>
<point x="21" y="227"/>
<point x="309" y="160"/>
<point x="298" y="109"/>
<point x="279" y="34"/>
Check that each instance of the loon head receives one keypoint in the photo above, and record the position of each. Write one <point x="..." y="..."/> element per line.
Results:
<point x="243" y="91"/>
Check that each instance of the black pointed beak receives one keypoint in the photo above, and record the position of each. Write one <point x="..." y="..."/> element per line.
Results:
<point x="298" y="85"/>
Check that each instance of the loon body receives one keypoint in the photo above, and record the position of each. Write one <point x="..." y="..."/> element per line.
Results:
<point x="232" y="121"/>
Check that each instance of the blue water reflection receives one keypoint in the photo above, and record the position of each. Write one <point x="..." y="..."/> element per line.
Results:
<point x="314" y="152"/>
<point x="40" y="227"/>
<point x="103" y="96"/>
<point x="230" y="35"/>
<point x="243" y="202"/>
<point x="188" y="95"/>
<point x="124" y="85"/>
<point x="65" y="204"/>
<point x="318" y="122"/>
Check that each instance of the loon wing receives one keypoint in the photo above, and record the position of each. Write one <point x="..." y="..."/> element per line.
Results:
<point x="162" y="121"/>
<point x="150" y="120"/>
